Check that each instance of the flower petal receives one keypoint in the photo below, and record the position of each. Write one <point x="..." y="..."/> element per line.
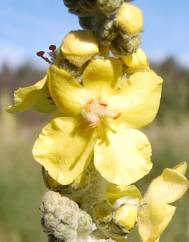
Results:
<point x="135" y="62"/>
<point x="66" y="92"/>
<point x="153" y="218"/>
<point x="101" y="75"/>
<point x="139" y="100"/>
<point x="115" y="192"/>
<point x="168" y="187"/>
<point x="35" y="97"/>
<point x="64" y="148"/>
<point x="181" y="167"/>
<point x="124" y="157"/>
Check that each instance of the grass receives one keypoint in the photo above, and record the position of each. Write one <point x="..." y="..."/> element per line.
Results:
<point x="21" y="185"/>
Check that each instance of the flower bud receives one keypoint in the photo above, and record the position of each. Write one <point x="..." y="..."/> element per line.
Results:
<point x="136" y="61"/>
<point x="126" y="216"/>
<point x="63" y="219"/>
<point x="129" y="19"/>
<point x="81" y="7"/>
<point x="108" y="7"/>
<point x="86" y="22"/>
<point x="125" y="44"/>
<point x="105" y="31"/>
<point x="79" y="46"/>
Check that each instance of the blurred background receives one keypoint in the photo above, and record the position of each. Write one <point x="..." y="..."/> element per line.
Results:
<point x="29" y="26"/>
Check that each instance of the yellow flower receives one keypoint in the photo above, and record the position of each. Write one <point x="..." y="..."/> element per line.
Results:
<point x="156" y="213"/>
<point x="97" y="118"/>
<point x="79" y="46"/>
<point x="34" y="97"/>
<point x="129" y="19"/>
<point x="136" y="62"/>
<point x="152" y="213"/>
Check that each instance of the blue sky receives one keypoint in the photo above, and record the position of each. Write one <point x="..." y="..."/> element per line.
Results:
<point x="31" y="25"/>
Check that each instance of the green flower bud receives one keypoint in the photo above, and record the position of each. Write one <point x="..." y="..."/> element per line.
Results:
<point x="105" y="31"/>
<point x="82" y="8"/>
<point x="108" y="7"/>
<point x="86" y="22"/>
<point x="125" y="44"/>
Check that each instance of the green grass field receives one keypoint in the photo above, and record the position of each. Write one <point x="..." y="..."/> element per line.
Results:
<point x="21" y="185"/>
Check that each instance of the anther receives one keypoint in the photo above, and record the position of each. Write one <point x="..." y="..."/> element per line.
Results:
<point x="103" y="104"/>
<point x="41" y="54"/>
<point x="52" y="48"/>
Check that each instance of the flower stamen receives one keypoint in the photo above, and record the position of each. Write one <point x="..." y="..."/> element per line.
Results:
<point x="52" y="55"/>
<point x="95" y="111"/>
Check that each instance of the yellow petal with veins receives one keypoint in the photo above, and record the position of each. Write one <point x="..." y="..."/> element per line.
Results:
<point x="138" y="102"/>
<point x="101" y="76"/>
<point x="168" y="187"/>
<point x="124" y="156"/>
<point x="34" y="97"/>
<point x="64" y="149"/>
<point x="67" y="93"/>
<point x="153" y="218"/>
